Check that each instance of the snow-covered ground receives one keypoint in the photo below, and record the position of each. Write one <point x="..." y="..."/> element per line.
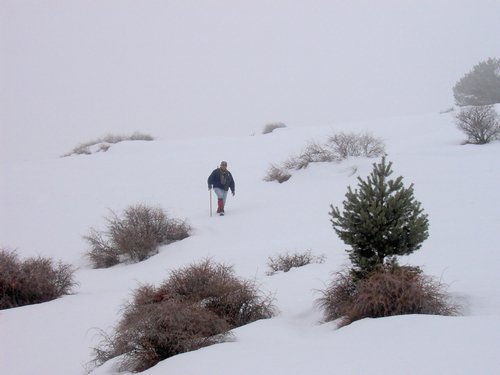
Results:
<point x="48" y="204"/>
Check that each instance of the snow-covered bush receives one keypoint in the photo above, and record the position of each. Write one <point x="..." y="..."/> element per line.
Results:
<point x="314" y="152"/>
<point x="337" y="148"/>
<point x="344" y="145"/>
<point x="285" y="262"/>
<point x="276" y="173"/>
<point x="269" y="128"/>
<point x="103" y="144"/>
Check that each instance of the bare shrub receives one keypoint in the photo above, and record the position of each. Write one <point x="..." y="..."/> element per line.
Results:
<point x="294" y="162"/>
<point x="216" y="287"/>
<point x="338" y="147"/>
<point x="114" y="138"/>
<point x="33" y="280"/>
<point x="197" y="306"/>
<point x="139" y="232"/>
<point x="80" y="150"/>
<point x="101" y="253"/>
<point x="103" y="147"/>
<point x="134" y="237"/>
<point x="344" y="145"/>
<point x="314" y="152"/>
<point x="318" y="153"/>
<point x="480" y="124"/>
<point x="269" y="128"/>
<point x="138" y="136"/>
<point x="176" y="230"/>
<point x="276" y="173"/>
<point x="104" y="143"/>
<point x="285" y="262"/>
<point x="337" y="297"/>
<point x="151" y="331"/>
<point x="391" y="290"/>
<point x="371" y="147"/>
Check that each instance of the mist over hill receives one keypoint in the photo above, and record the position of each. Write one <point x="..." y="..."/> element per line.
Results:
<point x="74" y="71"/>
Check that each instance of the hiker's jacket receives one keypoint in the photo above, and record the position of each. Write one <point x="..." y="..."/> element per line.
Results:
<point x="221" y="179"/>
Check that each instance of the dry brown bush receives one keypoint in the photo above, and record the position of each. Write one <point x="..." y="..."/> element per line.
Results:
<point x="392" y="290"/>
<point x="153" y="330"/>
<point x="139" y="232"/>
<point x="101" y="253"/>
<point x="196" y="306"/>
<point x="337" y="297"/>
<point x="176" y="230"/>
<point x="220" y="291"/>
<point x="33" y="280"/>
<point x="135" y="236"/>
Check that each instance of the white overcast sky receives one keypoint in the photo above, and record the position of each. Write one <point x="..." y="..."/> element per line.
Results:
<point x="75" y="70"/>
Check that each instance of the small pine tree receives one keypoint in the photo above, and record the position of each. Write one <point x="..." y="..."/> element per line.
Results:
<point x="381" y="219"/>
<point x="481" y="86"/>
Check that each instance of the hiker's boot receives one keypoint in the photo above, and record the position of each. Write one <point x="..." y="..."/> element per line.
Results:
<point x="220" y="206"/>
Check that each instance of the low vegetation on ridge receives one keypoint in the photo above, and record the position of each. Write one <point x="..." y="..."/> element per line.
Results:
<point x="103" y="144"/>
<point x="284" y="262"/>
<point x="338" y="147"/>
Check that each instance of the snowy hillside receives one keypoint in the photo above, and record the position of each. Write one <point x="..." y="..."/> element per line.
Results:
<point x="74" y="70"/>
<point x="48" y="205"/>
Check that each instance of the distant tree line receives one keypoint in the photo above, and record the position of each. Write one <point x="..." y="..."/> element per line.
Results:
<point x="481" y="86"/>
<point x="477" y="92"/>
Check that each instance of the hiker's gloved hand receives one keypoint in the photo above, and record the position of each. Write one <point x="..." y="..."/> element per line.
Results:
<point x="209" y="187"/>
<point x="232" y="193"/>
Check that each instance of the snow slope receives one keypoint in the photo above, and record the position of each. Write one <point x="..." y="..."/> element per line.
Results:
<point x="48" y="205"/>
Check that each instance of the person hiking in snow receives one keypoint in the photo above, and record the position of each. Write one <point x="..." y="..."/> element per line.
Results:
<point x="221" y="180"/>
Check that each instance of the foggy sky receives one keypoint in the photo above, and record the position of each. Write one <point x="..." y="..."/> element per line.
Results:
<point x="72" y="71"/>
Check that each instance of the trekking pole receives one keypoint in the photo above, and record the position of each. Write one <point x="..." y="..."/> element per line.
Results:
<point x="210" y="192"/>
